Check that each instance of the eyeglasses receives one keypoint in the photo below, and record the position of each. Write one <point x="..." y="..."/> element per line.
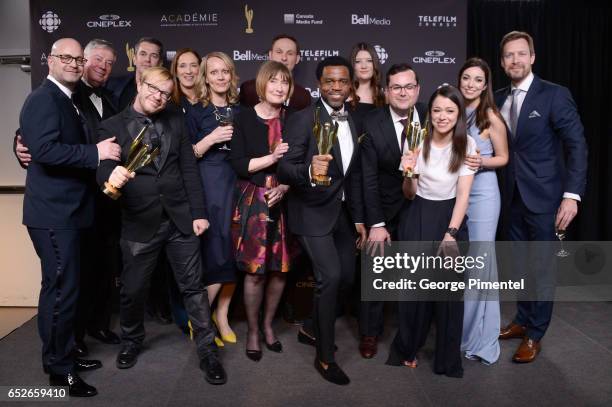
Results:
<point x="397" y="89"/>
<point x="67" y="59"/>
<point x="154" y="89"/>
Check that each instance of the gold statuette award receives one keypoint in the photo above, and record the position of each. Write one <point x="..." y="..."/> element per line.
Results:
<point x="325" y="135"/>
<point x="140" y="156"/>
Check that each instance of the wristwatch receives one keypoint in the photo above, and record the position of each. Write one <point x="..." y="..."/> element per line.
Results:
<point x="452" y="232"/>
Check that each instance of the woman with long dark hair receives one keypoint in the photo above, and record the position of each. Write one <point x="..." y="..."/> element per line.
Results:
<point x="367" y="75"/>
<point x="439" y="198"/>
<point x="481" y="319"/>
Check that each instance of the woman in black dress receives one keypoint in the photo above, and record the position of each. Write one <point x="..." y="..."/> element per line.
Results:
<point x="260" y="229"/>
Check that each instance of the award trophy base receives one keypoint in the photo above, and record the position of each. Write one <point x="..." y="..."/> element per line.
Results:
<point x="111" y="191"/>
<point x="322" y="180"/>
<point x="409" y="173"/>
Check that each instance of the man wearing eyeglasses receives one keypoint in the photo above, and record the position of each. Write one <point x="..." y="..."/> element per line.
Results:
<point x="148" y="53"/>
<point x="100" y="244"/>
<point x="163" y="209"/>
<point x="58" y="206"/>
<point x="381" y="152"/>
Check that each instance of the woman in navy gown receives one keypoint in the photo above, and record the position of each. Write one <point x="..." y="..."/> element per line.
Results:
<point x="211" y="128"/>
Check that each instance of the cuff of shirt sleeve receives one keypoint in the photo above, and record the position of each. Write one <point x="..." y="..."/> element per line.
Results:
<point x="569" y="195"/>
<point x="378" y="225"/>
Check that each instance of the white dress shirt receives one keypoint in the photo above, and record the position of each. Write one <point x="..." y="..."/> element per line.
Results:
<point x="345" y="139"/>
<point x="95" y="99"/>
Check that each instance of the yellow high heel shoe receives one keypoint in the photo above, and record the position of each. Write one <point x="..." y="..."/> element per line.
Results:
<point x="218" y="341"/>
<point x="229" y="338"/>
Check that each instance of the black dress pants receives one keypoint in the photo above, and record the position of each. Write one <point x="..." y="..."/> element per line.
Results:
<point x="333" y="262"/>
<point x="184" y="256"/>
<point x="59" y="253"/>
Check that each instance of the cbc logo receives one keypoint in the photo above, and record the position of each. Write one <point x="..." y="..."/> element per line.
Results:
<point x="49" y="21"/>
<point x="382" y="54"/>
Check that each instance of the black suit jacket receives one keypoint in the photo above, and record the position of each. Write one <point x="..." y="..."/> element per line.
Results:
<point x="250" y="140"/>
<point x="83" y="101"/>
<point x="548" y="155"/>
<point x="300" y="98"/>
<point x="380" y="158"/>
<point x="313" y="211"/>
<point x="175" y="188"/>
<point x="123" y="90"/>
<point x="58" y="193"/>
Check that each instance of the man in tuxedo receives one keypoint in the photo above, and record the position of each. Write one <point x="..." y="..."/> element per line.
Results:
<point x="541" y="190"/>
<point x="99" y="245"/>
<point x="102" y="251"/>
<point x="148" y="52"/>
<point x="381" y="152"/>
<point x="326" y="219"/>
<point x="58" y="206"/>
<point x="162" y="209"/>
<point x="286" y="50"/>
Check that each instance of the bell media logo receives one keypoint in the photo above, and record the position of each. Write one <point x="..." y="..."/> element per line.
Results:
<point x="382" y="54"/>
<point x="49" y="21"/>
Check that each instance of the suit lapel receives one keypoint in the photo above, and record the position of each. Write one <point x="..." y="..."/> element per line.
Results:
<point x="387" y="128"/>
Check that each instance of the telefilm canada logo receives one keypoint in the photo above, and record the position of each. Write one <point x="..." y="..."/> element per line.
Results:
<point x="434" y="57"/>
<point x="437" y="21"/>
<point x="318" y="54"/>
<point x="49" y="21"/>
<point x="367" y="19"/>
<point x="302" y="19"/>
<point x="195" y="19"/>
<point x="109" y="21"/>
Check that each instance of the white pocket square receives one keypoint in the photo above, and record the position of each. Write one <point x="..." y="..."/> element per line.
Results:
<point x="534" y="114"/>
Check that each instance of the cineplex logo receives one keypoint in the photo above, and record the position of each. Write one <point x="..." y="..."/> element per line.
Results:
<point x="434" y="57"/>
<point x="437" y="21"/>
<point x="366" y="19"/>
<point x="109" y="21"/>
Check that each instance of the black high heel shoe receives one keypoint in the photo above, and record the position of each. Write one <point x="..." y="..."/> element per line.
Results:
<point x="275" y="347"/>
<point x="254" y="355"/>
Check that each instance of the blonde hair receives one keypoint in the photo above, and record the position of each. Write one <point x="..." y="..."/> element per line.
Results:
<point x="269" y="70"/>
<point x="203" y="91"/>
<point x="157" y="71"/>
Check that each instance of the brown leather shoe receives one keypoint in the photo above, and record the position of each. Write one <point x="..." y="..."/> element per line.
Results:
<point x="368" y="346"/>
<point x="527" y="351"/>
<point x="512" y="330"/>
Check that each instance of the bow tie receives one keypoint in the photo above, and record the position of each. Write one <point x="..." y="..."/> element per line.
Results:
<point x="339" y="116"/>
<point x="96" y="91"/>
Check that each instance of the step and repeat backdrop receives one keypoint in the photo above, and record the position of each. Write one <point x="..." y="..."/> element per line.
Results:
<point x="430" y="35"/>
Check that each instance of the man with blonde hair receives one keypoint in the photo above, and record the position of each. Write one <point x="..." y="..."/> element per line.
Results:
<point x="163" y="208"/>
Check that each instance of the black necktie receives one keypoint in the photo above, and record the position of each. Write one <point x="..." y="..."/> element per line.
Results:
<point x="155" y="140"/>
<point x="96" y="91"/>
<point x="404" y="122"/>
<point x="339" y="116"/>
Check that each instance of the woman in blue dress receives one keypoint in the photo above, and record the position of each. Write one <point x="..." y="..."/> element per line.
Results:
<point x="211" y="129"/>
<point x="481" y="318"/>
